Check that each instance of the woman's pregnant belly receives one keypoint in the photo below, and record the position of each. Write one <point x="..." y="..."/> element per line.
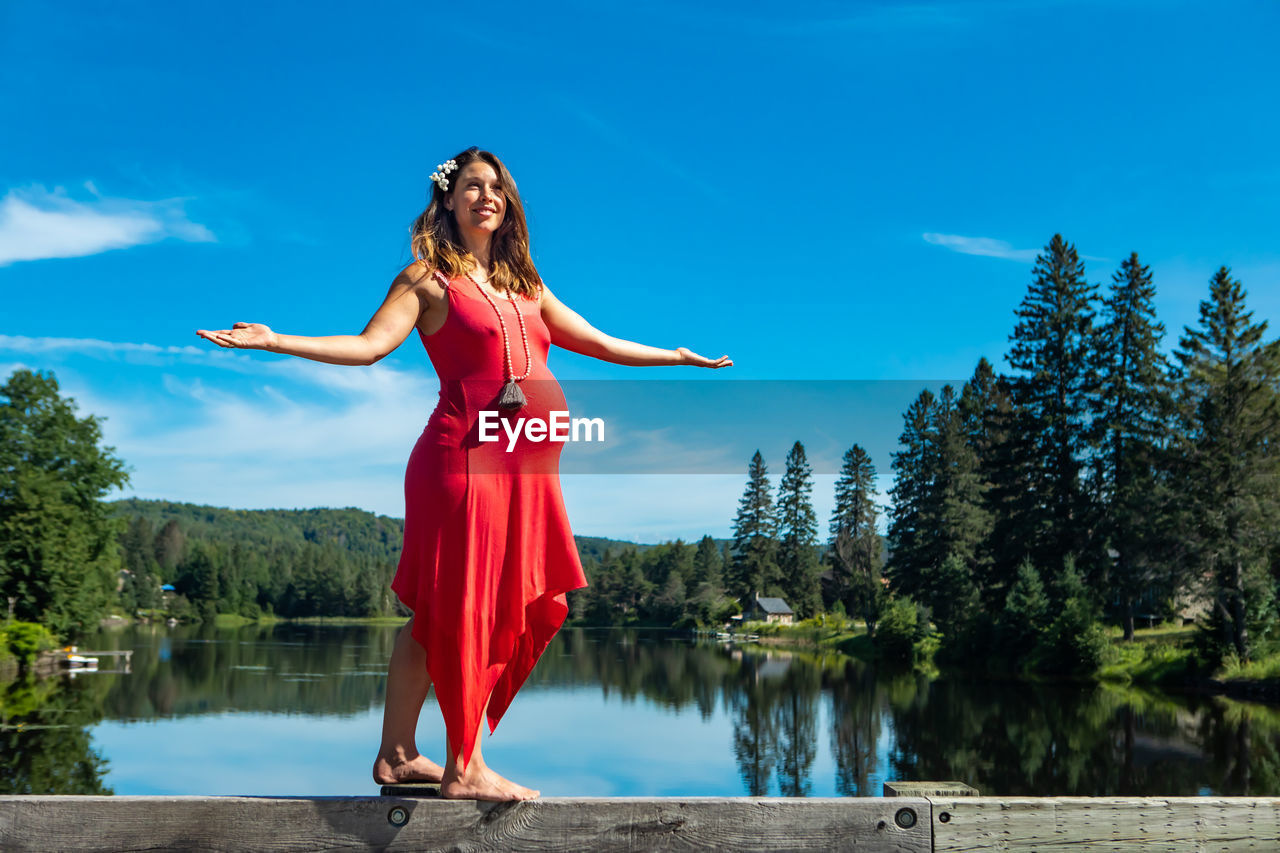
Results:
<point x="525" y="440"/>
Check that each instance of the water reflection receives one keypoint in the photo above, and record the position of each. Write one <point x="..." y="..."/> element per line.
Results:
<point x="790" y="723"/>
<point x="286" y="669"/>
<point x="44" y="743"/>
<point x="856" y="701"/>
<point x="1045" y="740"/>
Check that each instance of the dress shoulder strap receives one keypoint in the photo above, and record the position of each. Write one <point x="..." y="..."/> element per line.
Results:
<point x="442" y="278"/>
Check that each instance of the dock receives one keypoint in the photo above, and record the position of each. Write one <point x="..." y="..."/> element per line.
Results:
<point x="962" y="824"/>
<point x="82" y="660"/>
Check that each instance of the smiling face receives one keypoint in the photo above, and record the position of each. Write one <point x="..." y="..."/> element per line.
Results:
<point x="478" y="221"/>
<point x="476" y="198"/>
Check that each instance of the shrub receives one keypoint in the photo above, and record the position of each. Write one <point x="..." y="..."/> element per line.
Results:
<point x="1075" y="642"/>
<point x="899" y="630"/>
<point x="25" y="640"/>
<point x="1025" y="608"/>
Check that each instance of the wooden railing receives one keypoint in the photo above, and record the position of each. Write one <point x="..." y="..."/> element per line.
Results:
<point x="866" y="825"/>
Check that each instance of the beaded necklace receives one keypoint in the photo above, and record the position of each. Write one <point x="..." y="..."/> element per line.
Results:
<point x="512" y="397"/>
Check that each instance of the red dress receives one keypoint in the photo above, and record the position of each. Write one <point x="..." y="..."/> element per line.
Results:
<point x="488" y="555"/>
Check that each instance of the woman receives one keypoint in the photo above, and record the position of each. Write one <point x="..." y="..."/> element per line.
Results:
<point x="488" y="555"/>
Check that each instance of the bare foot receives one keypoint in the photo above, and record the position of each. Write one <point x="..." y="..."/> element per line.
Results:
<point x="478" y="782"/>
<point x="521" y="792"/>
<point x="397" y="770"/>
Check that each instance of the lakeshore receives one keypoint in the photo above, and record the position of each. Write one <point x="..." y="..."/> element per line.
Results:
<point x="1161" y="656"/>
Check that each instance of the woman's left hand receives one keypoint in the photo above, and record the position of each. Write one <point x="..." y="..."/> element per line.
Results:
<point x="692" y="358"/>
<point x="241" y="336"/>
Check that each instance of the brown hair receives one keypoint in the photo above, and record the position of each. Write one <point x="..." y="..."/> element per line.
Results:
<point x="435" y="241"/>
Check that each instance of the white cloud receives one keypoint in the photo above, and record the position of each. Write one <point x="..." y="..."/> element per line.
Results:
<point x="272" y="446"/>
<point x="985" y="246"/>
<point x="86" y="346"/>
<point x="370" y="425"/>
<point x="208" y="355"/>
<point x="36" y="223"/>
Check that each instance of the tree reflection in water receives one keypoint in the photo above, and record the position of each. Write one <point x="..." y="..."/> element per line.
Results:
<point x="1052" y="740"/>
<point x="856" y="700"/>
<point x="797" y="726"/>
<point x="44" y="739"/>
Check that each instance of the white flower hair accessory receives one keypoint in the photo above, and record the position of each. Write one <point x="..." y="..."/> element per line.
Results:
<point x="441" y="174"/>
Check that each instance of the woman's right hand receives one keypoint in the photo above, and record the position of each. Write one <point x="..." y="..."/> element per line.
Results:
<point x="241" y="336"/>
<point x="691" y="357"/>
<point x="407" y="300"/>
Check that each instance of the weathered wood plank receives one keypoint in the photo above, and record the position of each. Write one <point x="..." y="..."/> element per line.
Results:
<point x="551" y="824"/>
<point x="412" y="789"/>
<point x="929" y="789"/>
<point x="1137" y="824"/>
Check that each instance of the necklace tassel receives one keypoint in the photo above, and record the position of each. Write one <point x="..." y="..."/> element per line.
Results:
<point x="512" y="397"/>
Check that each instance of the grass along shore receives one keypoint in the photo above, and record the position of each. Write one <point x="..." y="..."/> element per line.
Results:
<point x="235" y="620"/>
<point x="1164" y="655"/>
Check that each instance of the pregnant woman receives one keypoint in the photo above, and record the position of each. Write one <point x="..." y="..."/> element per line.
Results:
<point x="488" y="554"/>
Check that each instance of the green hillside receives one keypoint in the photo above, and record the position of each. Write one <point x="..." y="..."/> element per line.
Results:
<point x="287" y="562"/>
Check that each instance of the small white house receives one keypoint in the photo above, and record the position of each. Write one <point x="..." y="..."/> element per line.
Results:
<point x="769" y="610"/>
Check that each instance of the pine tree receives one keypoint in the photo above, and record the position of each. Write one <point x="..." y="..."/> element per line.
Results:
<point x="978" y="397"/>
<point x="202" y="583"/>
<point x="963" y="523"/>
<point x="707" y="564"/>
<point x="940" y="522"/>
<point x="1026" y="610"/>
<point x="633" y="588"/>
<point x="798" y="535"/>
<point x="1074" y="640"/>
<point x="597" y="607"/>
<point x="985" y="412"/>
<point x="170" y="548"/>
<point x="914" y="499"/>
<point x="1131" y="430"/>
<point x="137" y="546"/>
<point x="755" y="567"/>
<point x="1230" y="430"/>
<point x="669" y="602"/>
<point x="671" y="558"/>
<point x="1053" y="395"/>
<point x="855" y="542"/>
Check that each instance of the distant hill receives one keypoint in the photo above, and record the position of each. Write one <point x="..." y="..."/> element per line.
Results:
<point x="193" y="561"/>
<point x="351" y="529"/>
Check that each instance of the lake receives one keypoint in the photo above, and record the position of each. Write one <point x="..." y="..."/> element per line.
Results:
<point x="296" y="710"/>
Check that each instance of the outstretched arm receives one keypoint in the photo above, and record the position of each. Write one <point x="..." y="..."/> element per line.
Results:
<point x="570" y="331"/>
<point x="407" y="299"/>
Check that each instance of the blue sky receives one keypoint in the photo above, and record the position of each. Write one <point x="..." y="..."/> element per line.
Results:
<point x="822" y="191"/>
